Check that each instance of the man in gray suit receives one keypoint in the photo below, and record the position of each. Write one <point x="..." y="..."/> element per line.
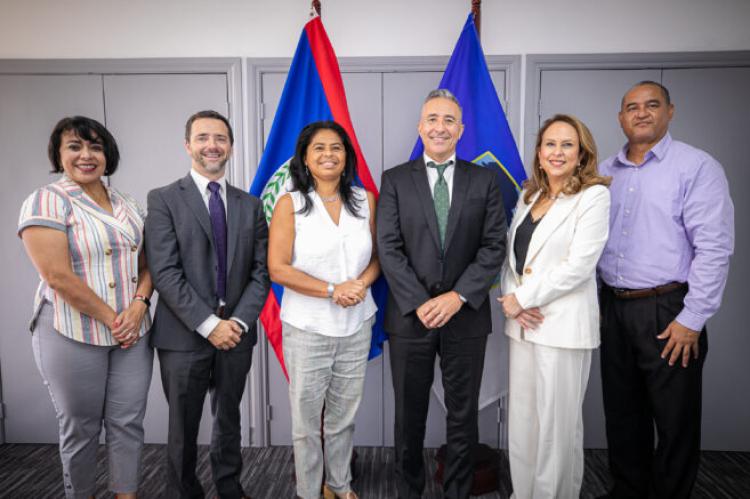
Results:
<point x="206" y="246"/>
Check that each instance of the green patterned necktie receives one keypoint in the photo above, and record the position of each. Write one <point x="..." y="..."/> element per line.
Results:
<point x="441" y="198"/>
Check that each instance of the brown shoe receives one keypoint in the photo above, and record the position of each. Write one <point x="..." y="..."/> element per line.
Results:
<point x="329" y="494"/>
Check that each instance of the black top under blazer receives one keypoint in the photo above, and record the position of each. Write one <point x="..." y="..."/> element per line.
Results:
<point x="410" y="252"/>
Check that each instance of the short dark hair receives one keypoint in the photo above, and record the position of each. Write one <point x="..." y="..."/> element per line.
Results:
<point x="211" y="115"/>
<point x="86" y="129"/>
<point x="304" y="182"/>
<point x="664" y="91"/>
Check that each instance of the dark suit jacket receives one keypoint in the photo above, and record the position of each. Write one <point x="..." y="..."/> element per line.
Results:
<point x="409" y="246"/>
<point x="182" y="260"/>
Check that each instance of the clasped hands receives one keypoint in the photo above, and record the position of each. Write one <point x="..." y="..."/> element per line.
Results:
<point x="127" y="323"/>
<point x="528" y="318"/>
<point x="349" y="293"/>
<point x="226" y="335"/>
<point x="437" y="311"/>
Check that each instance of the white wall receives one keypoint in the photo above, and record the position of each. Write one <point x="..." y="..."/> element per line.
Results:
<point x="270" y="28"/>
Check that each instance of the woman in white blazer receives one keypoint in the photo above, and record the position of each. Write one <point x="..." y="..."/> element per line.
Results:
<point x="550" y="303"/>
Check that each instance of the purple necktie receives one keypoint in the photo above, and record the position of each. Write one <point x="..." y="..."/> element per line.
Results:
<point x="219" y="228"/>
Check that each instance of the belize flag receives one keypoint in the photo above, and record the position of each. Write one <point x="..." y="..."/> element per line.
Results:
<point x="487" y="141"/>
<point x="313" y="91"/>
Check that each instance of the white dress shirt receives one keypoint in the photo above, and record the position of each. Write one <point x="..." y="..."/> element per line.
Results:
<point x="205" y="328"/>
<point x="432" y="174"/>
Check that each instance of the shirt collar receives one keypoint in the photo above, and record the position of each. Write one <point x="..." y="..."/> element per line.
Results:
<point x="659" y="151"/>
<point x="202" y="182"/>
<point x="451" y="159"/>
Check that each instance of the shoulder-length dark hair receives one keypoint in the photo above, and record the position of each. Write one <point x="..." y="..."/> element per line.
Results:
<point x="86" y="129"/>
<point x="586" y="173"/>
<point x="304" y="182"/>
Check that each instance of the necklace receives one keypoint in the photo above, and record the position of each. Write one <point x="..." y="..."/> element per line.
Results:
<point x="329" y="199"/>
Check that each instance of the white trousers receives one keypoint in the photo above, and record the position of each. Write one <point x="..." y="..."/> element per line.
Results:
<point x="545" y="420"/>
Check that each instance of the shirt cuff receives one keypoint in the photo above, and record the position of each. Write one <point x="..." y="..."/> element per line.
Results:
<point x="208" y="325"/>
<point x="691" y="320"/>
<point x="242" y="324"/>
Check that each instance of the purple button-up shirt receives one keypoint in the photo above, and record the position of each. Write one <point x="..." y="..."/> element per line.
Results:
<point x="671" y="220"/>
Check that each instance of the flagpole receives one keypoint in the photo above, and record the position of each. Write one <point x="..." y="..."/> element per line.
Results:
<point x="476" y="9"/>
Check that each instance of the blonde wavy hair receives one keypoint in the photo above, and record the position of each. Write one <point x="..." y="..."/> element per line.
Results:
<point x="586" y="173"/>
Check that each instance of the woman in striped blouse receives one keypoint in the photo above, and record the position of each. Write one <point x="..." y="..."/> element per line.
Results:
<point x="91" y="308"/>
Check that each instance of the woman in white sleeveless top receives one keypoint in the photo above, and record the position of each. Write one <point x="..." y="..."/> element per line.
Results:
<point x="321" y="250"/>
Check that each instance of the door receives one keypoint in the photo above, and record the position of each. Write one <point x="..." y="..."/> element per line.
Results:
<point x="30" y="105"/>
<point x="147" y="115"/>
<point x="711" y="109"/>
<point x="385" y="108"/>
<point x="360" y="87"/>
<point x="593" y="96"/>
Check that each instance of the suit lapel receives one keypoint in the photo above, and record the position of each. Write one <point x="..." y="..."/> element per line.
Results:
<point x="233" y="223"/>
<point x="194" y="200"/>
<point x="559" y="211"/>
<point x="458" y="197"/>
<point x="422" y="186"/>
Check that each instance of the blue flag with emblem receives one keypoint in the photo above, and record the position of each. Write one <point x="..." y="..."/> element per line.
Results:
<point x="487" y="140"/>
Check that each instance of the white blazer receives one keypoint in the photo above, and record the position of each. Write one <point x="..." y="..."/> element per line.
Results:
<point x="559" y="274"/>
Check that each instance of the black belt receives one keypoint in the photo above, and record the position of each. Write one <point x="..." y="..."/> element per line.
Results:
<point x="220" y="311"/>
<point x="633" y="294"/>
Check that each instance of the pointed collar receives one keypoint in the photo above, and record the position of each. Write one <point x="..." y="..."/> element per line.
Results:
<point x="202" y="182"/>
<point x="658" y="151"/>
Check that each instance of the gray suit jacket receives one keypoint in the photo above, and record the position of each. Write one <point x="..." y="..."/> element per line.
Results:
<point x="182" y="260"/>
<point x="410" y="252"/>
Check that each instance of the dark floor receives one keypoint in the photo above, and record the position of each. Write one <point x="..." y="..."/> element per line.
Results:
<point x="33" y="471"/>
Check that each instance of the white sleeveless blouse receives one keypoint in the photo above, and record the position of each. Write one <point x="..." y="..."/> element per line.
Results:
<point x="331" y="253"/>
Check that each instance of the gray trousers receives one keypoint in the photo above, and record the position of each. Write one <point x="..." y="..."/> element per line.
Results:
<point x="89" y="385"/>
<point x="330" y="370"/>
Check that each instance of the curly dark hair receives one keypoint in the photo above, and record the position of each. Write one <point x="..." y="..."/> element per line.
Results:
<point x="86" y="129"/>
<point x="304" y="182"/>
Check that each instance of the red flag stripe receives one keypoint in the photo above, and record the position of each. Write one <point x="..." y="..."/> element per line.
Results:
<point x="333" y="85"/>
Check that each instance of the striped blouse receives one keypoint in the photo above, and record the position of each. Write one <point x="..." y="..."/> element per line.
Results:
<point x="103" y="250"/>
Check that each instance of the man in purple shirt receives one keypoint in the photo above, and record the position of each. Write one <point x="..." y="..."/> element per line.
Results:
<point x="663" y="270"/>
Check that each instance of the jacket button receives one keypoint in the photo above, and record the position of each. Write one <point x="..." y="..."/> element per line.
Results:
<point x="108" y="251"/>
<point x="133" y="279"/>
<point x="133" y="248"/>
<point x="112" y="285"/>
<point x="527" y="270"/>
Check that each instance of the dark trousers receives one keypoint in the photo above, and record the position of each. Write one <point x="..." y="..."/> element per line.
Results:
<point x="641" y="390"/>
<point x="412" y="369"/>
<point x="186" y="377"/>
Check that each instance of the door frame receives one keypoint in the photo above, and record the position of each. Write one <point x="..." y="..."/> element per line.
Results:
<point x="256" y="68"/>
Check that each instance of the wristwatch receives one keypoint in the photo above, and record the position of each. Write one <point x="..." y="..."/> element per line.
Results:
<point x="144" y="299"/>
<point x="330" y="289"/>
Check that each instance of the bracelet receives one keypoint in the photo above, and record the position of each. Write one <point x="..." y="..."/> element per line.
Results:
<point x="330" y="289"/>
<point x="144" y="299"/>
